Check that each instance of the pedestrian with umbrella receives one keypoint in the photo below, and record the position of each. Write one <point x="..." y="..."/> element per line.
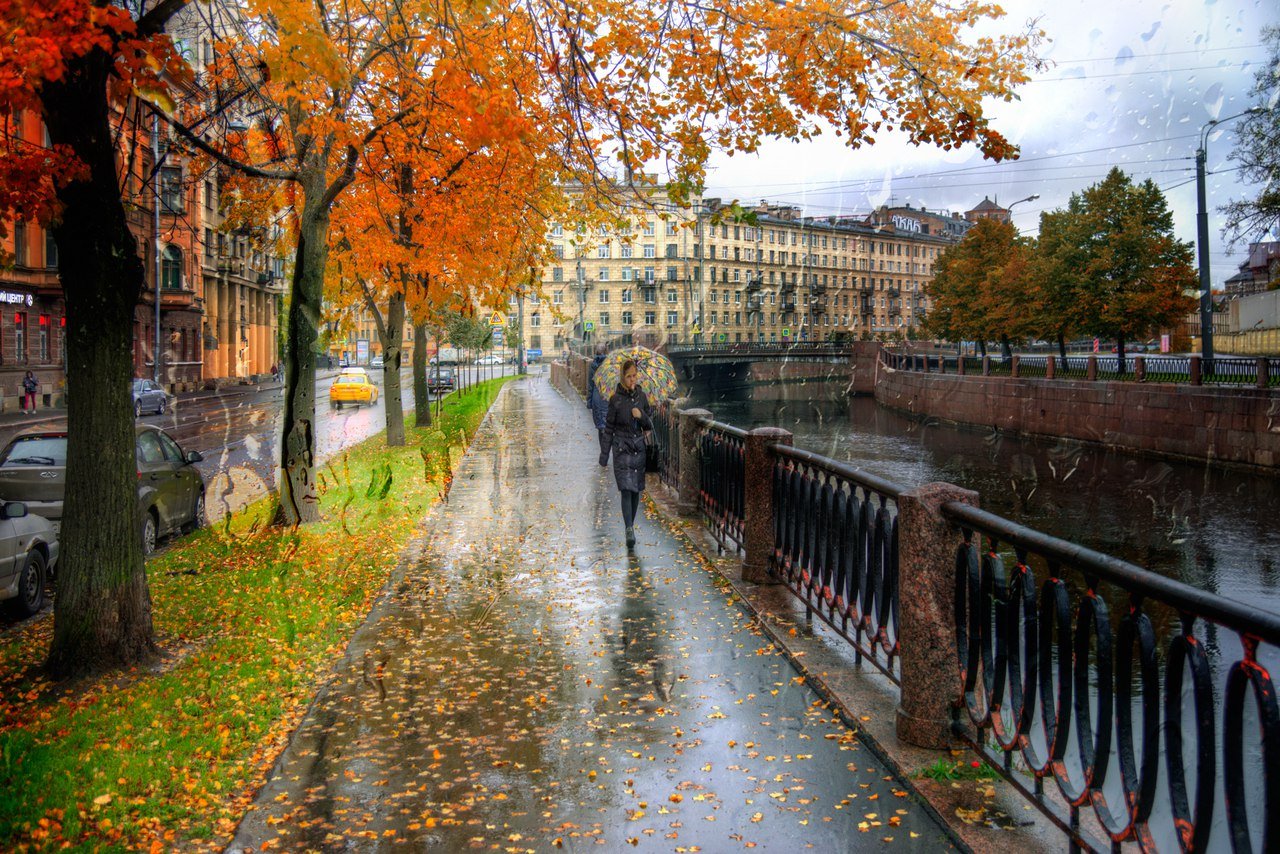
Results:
<point x="597" y="400"/>
<point x="627" y="432"/>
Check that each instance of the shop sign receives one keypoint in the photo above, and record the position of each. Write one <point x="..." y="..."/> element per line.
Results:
<point x="15" y="298"/>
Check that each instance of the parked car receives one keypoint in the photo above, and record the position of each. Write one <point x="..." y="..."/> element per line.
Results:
<point x="353" y="389"/>
<point x="28" y="553"/>
<point x="148" y="396"/>
<point x="377" y="362"/>
<point x="489" y="360"/>
<point x="170" y="487"/>
<point x="440" y="381"/>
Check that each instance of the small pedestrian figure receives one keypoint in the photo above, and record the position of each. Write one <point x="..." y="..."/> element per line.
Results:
<point x="627" y="432"/>
<point x="29" y="386"/>
<point x="596" y="400"/>
<point x="275" y="372"/>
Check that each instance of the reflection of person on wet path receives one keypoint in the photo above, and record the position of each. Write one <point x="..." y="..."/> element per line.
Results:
<point x="628" y="427"/>
<point x="596" y="401"/>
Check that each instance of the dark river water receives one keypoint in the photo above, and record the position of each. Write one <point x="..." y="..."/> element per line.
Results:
<point x="1210" y="527"/>
<point x="1207" y="526"/>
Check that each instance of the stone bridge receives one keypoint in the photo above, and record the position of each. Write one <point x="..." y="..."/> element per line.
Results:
<point x="852" y="365"/>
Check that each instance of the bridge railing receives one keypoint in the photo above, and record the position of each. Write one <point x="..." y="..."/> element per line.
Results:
<point x="666" y="427"/>
<point x="799" y="348"/>
<point x="1125" y="706"/>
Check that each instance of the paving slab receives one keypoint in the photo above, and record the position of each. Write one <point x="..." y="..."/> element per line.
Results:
<point x="526" y="683"/>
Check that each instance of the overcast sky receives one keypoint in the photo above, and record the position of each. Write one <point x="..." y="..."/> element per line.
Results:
<point x="1131" y="83"/>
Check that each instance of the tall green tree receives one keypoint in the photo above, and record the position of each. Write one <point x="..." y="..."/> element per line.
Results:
<point x="978" y="286"/>
<point x="1257" y="152"/>
<point x="1052" y="291"/>
<point x="1129" y="274"/>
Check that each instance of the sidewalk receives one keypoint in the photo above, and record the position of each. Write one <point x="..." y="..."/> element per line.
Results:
<point x="525" y="684"/>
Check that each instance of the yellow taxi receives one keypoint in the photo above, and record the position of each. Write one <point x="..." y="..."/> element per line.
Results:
<point x="352" y="388"/>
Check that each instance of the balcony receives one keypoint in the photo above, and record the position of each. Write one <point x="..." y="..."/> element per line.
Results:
<point x="787" y="303"/>
<point x="755" y="303"/>
<point x="892" y="293"/>
<point x="866" y="309"/>
<point x="753" y="285"/>
<point x="895" y="309"/>
<point x="817" y="306"/>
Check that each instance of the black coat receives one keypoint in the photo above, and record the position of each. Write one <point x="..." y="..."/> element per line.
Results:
<point x="624" y="437"/>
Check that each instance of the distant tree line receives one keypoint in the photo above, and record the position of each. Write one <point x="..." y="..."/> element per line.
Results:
<point x="1106" y="266"/>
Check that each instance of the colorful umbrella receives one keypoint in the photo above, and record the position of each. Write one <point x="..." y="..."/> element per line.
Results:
<point x="657" y="374"/>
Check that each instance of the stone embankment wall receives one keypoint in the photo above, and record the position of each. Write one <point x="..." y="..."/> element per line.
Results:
<point x="1235" y="425"/>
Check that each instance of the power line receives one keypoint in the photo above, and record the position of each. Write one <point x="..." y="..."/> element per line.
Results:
<point x="960" y="169"/>
<point x="1158" y="55"/>
<point x="1128" y="73"/>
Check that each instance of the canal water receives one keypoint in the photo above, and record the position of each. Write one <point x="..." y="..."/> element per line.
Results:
<point x="1210" y="527"/>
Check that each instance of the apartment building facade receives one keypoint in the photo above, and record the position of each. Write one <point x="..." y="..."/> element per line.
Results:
<point x="695" y="274"/>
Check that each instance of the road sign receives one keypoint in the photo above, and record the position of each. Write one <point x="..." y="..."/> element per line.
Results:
<point x="786" y="333"/>
<point x="497" y="336"/>
<point x="722" y="337"/>
<point x="589" y="326"/>
<point x="532" y="353"/>
<point x="496" y="319"/>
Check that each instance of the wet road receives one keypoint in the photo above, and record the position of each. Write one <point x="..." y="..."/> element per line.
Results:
<point x="529" y="685"/>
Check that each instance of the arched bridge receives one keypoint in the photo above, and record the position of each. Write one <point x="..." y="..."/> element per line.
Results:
<point x="759" y="362"/>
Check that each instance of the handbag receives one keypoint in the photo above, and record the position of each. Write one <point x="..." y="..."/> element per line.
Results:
<point x="651" y="456"/>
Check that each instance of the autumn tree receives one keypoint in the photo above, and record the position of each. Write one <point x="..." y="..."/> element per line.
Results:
<point x="1052" y="297"/>
<point x="1257" y="151"/>
<point x="1119" y="266"/>
<point x="978" y="287"/>
<point x="82" y="65"/>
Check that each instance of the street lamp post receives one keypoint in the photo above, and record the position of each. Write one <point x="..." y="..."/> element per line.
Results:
<point x="582" y="301"/>
<point x="1202" y="240"/>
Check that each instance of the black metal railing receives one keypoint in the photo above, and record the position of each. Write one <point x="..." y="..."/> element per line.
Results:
<point x="722" y="485"/>
<point x="796" y="348"/>
<point x="666" y="430"/>
<point x="836" y="548"/>
<point x="1059" y="650"/>
<point x="1221" y="370"/>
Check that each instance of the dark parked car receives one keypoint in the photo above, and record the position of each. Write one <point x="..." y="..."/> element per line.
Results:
<point x="28" y="552"/>
<point x="148" y="397"/>
<point x="170" y="488"/>
<point x="440" y="381"/>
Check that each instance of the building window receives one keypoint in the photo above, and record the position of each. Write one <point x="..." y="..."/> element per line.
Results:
<point x="20" y="336"/>
<point x="626" y="295"/>
<point x="557" y="251"/>
<point x="557" y="231"/>
<point x="44" y="339"/>
<point x="650" y="318"/>
<point x="171" y="189"/>
<point x="672" y="274"/>
<point x="171" y="269"/>
<point x="648" y="228"/>
<point x="650" y="294"/>
<point x="602" y="251"/>
<point x="604" y="296"/>
<point x="650" y="251"/>
<point x="671" y="318"/>
<point x="671" y="296"/>
<point x="672" y="250"/>
<point x="557" y="298"/>
<point x="626" y="274"/>
<point x="626" y="318"/>
<point x="536" y="320"/>
<point x="50" y="250"/>
<point x="20" y="244"/>
<point x="626" y="251"/>
<point x="557" y="274"/>
<point x="604" y="274"/>
<point x="604" y="318"/>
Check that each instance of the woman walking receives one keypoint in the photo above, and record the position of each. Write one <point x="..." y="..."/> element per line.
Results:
<point x="596" y="401"/>
<point x="627" y="430"/>
<point x="29" y="386"/>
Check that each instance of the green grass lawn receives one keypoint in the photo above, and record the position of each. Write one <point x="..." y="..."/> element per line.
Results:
<point x="250" y="619"/>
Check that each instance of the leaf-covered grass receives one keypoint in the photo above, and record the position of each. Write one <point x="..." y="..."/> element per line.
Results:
<point x="250" y="618"/>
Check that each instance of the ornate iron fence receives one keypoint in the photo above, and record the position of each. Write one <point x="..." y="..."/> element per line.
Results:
<point x="836" y="548"/>
<point x="722" y="490"/>
<point x="666" y="429"/>
<point x="1052" y="637"/>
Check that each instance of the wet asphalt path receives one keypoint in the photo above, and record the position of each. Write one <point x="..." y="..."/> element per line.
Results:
<point x="528" y="685"/>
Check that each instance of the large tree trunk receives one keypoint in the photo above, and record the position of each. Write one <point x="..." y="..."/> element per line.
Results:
<point x="1062" y="348"/>
<point x="421" y="397"/>
<point x="393" y="335"/>
<point x="1006" y="351"/>
<point x="102" y="613"/>
<point x="299" y="501"/>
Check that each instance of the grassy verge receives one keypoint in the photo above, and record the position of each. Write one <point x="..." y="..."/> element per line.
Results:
<point x="250" y="619"/>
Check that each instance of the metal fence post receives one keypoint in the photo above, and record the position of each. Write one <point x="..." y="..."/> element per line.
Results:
<point x="1194" y="371"/>
<point x="690" y="466"/>
<point x="1091" y="369"/>
<point x="926" y="623"/>
<point x="757" y="540"/>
